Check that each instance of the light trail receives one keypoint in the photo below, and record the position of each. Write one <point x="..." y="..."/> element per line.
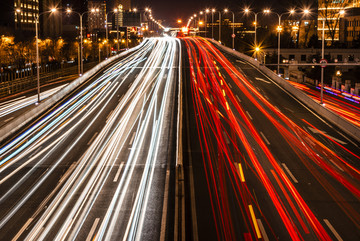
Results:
<point x="144" y="109"/>
<point x="211" y="74"/>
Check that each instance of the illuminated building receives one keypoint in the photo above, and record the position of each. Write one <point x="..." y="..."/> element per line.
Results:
<point x="126" y="4"/>
<point x="96" y="20"/>
<point x="25" y="19"/>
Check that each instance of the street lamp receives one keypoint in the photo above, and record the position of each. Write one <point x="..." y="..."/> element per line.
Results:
<point x="212" y="22"/>
<point x="279" y="29"/>
<point x="206" y="12"/>
<point x="37" y="48"/>
<point x="246" y="10"/>
<point x="200" y="22"/>
<point x="107" y="30"/>
<point x="233" y="27"/>
<point x="81" y="33"/>
<point x="341" y="12"/>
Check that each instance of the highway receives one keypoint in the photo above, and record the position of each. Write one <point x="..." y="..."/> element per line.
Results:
<point x="259" y="164"/>
<point x="97" y="165"/>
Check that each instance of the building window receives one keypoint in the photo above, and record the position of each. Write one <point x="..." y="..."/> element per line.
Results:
<point x="303" y="57"/>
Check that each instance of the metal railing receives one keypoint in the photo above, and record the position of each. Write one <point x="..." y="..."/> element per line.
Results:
<point x="26" y="81"/>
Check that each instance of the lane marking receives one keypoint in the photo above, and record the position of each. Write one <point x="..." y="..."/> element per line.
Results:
<point x="332" y="229"/>
<point x="237" y="97"/>
<point x="226" y="138"/>
<point x="109" y="114"/>
<point x="261" y="79"/>
<point x="289" y="172"/>
<point x="264" y="137"/>
<point x="254" y="221"/>
<point x="92" y="138"/>
<point x="262" y="229"/>
<point x="229" y="85"/>
<point x="315" y="131"/>
<point x="92" y="230"/>
<point x="118" y="172"/>
<point x="35" y="152"/>
<point x="9" y="119"/>
<point x="17" y="236"/>
<point x="242" y="177"/>
<point x="132" y="138"/>
<point x="332" y="161"/>
<point x="247" y="112"/>
<point x="239" y="61"/>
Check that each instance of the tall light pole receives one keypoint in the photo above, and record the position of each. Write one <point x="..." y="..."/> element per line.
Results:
<point x="342" y="12"/>
<point x="279" y="29"/>
<point x="107" y="30"/>
<point x="195" y="23"/>
<point x="219" y="27"/>
<point x="199" y="21"/>
<point x="212" y="22"/>
<point x="233" y="27"/>
<point x="81" y="33"/>
<point x="206" y="12"/>
<point x="37" y="48"/>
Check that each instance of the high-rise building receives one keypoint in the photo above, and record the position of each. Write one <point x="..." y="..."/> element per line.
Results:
<point x="329" y="14"/>
<point x="25" y="13"/>
<point x="96" y="20"/>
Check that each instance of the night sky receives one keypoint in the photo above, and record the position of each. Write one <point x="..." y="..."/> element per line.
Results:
<point x="170" y="10"/>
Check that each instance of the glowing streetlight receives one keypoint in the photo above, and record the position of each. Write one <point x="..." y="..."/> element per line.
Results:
<point x="233" y="27"/>
<point x="37" y="49"/>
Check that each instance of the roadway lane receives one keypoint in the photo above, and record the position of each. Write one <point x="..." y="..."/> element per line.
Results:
<point x="95" y="166"/>
<point x="264" y="166"/>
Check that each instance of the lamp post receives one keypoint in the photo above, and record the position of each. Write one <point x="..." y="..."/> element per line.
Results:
<point x="81" y="33"/>
<point x="37" y="49"/>
<point x="246" y="10"/>
<point x="219" y="27"/>
<point x="195" y="23"/>
<point x="279" y="29"/>
<point x="342" y="12"/>
<point x="212" y="23"/>
<point x="199" y="22"/>
<point x="107" y="30"/>
<point x="233" y="27"/>
<point x="206" y="12"/>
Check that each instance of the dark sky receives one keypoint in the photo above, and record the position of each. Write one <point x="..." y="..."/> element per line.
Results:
<point x="170" y="10"/>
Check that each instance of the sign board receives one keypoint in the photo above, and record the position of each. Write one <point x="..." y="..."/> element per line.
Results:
<point x="323" y="63"/>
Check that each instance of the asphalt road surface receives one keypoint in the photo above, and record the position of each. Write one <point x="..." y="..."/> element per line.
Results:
<point x="260" y="164"/>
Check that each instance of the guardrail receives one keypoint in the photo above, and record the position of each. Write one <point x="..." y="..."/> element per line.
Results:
<point x="335" y="119"/>
<point x="28" y="82"/>
<point x="22" y="120"/>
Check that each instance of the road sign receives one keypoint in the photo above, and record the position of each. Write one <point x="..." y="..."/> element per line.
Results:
<point x="233" y="35"/>
<point x="323" y="63"/>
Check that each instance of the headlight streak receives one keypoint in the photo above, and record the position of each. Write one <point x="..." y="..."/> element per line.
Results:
<point x="152" y="88"/>
<point x="71" y="101"/>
